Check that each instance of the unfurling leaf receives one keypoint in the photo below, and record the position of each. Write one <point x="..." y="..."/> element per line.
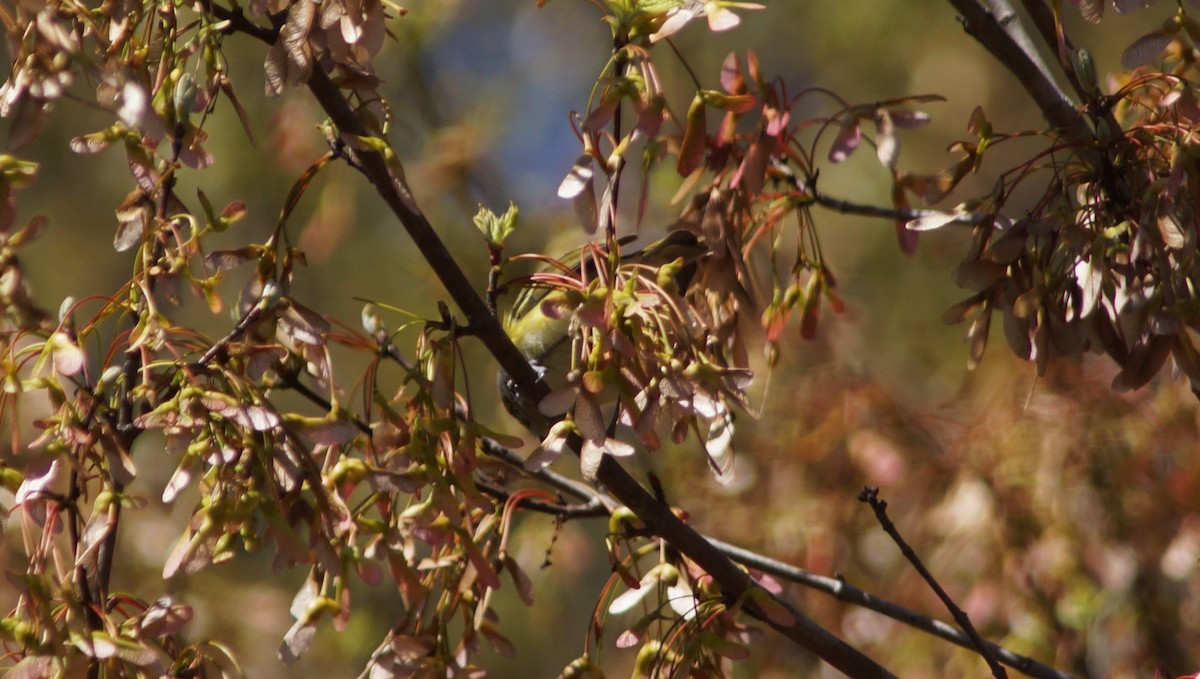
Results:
<point x="1090" y="280"/>
<point x="629" y="638"/>
<point x="164" y="618"/>
<point x="68" y="357"/>
<point x="978" y="124"/>
<point x="223" y="260"/>
<point x="631" y="598"/>
<point x="522" y="582"/>
<point x="96" y="141"/>
<point x="233" y="212"/>
<point x="297" y="641"/>
<point x="721" y="19"/>
<point x="810" y="311"/>
<point x="598" y="117"/>
<point x="589" y="459"/>
<point x="1085" y="70"/>
<point x="752" y="172"/>
<point x="577" y="187"/>
<point x="910" y="120"/>
<point x="496" y="229"/>
<point x="681" y="17"/>
<point x="589" y="418"/>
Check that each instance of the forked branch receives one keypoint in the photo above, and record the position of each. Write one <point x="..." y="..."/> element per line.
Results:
<point x="870" y="496"/>
<point x="396" y="194"/>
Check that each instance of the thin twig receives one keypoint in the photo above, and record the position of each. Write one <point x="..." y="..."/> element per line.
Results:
<point x="733" y="581"/>
<point x="580" y="491"/>
<point x="595" y="504"/>
<point x="735" y="584"/>
<point x="906" y="214"/>
<point x="239" y="329"/>
<point x="551" y="478"/>
<point x="587" y="510"/>
<point x="848" y="593"/>
<point x="870" y="496"/>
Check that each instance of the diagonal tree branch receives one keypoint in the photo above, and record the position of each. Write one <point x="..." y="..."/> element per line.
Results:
<point x="844" y="591"/>
<point x="870" y="496"/>
<point x="1044" y="21"/>
<point x="594" y="503"/>
<point x="999" y="30"/>
<point x="734" y="582"/>
<point x="389" y="182"/>
<point x="1008" y="19"/>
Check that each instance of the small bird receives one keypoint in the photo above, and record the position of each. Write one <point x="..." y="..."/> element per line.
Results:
<point x="539" y="321"/>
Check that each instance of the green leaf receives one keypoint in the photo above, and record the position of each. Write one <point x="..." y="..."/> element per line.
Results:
<point x="497" y="228"/>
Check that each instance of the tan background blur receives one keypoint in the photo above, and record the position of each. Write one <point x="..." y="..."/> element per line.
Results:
<point x="981" y="470"/>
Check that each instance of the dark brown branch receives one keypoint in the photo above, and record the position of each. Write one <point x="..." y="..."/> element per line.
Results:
<point x="834" y="586"/>
<point x="243" y="325"/>
<point x="75" y="525"/>
<point x="1043" y="21"/>
<point x="999" y="30"/>
<point x="1050" y="31"/>
<point x="596" y="504"/>
<point x="614" y="180"/>
<point x="396" y="194"/>
<point x="988" y="28"/>
<point x="566" y="485"/>
<point x="844" y="591"/>
<point x="551" y="478"/>
<point x="555" y="480"/>
<point x="870" y="496"/>
<point x="587" y="510"/>
<point x="1008" y="19"/>
<point x="394" y="191"/>
<point x="734" y="582"/>
<point x="851" y="208"/>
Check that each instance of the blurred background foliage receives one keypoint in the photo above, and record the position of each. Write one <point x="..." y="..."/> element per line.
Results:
<point x="1062" y="516"/>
